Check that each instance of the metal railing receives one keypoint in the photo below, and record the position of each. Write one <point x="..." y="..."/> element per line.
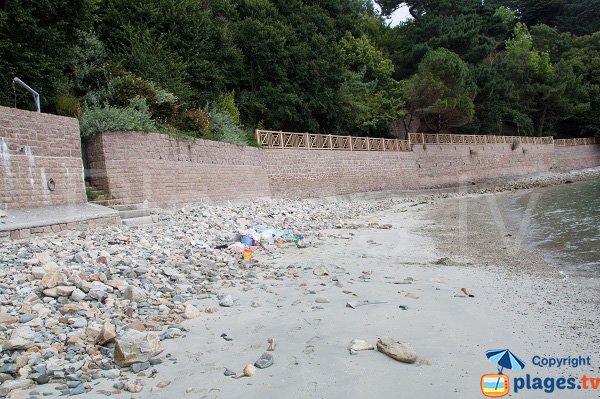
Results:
<point x="579" y="141"/>
<point x="426" y="138"/>
<point x="273" y="139"/>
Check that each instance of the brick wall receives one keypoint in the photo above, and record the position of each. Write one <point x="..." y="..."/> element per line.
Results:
<point x="163" y="169"/>
<point x="577" y="157"/>
<point x="35" y="148"/>
<point x="166" y="170"/>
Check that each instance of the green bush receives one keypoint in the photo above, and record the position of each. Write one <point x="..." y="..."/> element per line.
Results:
<point x="134" y="117"/>
<point x="196" y="120"/>
<point x="226" y="103"/>
<point x="224" y="128"/>
<point x="67" y="105"/>
<point x="163" y="106"/>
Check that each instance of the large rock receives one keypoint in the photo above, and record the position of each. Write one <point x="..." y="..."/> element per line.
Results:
<point x="107" y="334"/>
<point x="397" y="350"/>
<point x="5" y="318"/>
<point x="43" y="257"/>
<point x="134" y="294"/>
<point x="11" y="385"/>
<point x="52" y="278"/>
<point x="21" y="338"/>
<point x="134" y="347"/>
<point x="191" y="312"/>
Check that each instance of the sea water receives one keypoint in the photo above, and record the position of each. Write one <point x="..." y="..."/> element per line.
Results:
<point x="564" y="223"/>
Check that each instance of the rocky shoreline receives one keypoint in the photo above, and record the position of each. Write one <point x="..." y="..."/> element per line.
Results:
<point x="82" y="306"/>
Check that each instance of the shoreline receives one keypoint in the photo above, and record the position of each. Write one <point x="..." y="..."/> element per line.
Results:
<point x="519" y="302"/>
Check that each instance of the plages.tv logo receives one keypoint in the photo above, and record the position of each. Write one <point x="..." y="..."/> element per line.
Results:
<point x="498" y="385"/>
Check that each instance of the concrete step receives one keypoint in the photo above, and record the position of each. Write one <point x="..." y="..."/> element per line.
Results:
<point x="110" y="203"/>
<point x="140" y="221"/>
<point x="134" y="213"/>
<point x="128" y="207"/>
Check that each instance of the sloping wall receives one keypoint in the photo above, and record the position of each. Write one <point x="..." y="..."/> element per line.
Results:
<point x="35" y="148"/>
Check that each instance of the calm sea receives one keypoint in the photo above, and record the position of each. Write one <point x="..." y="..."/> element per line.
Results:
<point x="564" y="222"/>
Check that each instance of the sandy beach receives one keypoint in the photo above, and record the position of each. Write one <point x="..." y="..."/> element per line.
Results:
<point x="430" y="252"/>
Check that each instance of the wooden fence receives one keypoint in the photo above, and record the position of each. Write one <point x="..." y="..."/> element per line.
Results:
<point x="274" y="139"/>
<point x="581" y="141"/>
<point x="425" y="138"/>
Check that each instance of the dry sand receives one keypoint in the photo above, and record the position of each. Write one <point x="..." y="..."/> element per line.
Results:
<point x="520" y="303"/>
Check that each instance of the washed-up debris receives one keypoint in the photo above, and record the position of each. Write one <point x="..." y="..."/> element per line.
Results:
<point x="249" y="371"/>
<point x="355" y="304"/>
<point x="271" y="342"/>
<point x="467" y="292"/>
<point x="397" y="350"/>
<point x="442" y="261"/>
<point x="357" y="345"/>
<point x="225" y="337"/>
<point x="403" y="307"/>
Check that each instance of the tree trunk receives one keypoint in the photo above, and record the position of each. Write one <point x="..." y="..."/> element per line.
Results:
<point x="541" y="121"/>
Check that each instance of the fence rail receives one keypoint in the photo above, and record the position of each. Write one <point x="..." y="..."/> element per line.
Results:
<point x="275" y="139"/>
<point x="580" y="141"/>
<point x="425" y="138"/>
<point x="272" y="139"/>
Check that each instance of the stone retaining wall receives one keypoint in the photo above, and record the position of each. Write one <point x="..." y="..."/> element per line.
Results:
<point x="35" y="148"/>
<point x="165" y="170"/>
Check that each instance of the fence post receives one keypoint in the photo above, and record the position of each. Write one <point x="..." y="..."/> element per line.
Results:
<point x="256" y="134"/>
<point x="281" y="139"/>
<point x="330" y="142"/>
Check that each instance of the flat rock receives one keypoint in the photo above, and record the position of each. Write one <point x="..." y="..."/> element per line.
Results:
<point x="397" y="350"/>
<point x="265" y="360"/>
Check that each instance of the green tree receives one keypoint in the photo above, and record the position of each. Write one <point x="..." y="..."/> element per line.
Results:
<point x="37" y="44"/>
<point x="548" y="91"/>
<point x="441" y="93"/>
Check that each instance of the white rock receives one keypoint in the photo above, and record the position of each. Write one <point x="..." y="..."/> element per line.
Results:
<point x="191" y="312"/>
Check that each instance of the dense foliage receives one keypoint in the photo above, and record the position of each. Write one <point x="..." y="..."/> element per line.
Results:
<point x="219" y="68"/>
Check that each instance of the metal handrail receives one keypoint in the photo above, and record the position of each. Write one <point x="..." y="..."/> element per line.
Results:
<point x="36" y="96"/>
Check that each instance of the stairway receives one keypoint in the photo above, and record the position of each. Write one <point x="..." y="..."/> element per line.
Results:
<point x="131" y="215"/>
<point x="99" y="197"/>
<point x="135" y="214"/>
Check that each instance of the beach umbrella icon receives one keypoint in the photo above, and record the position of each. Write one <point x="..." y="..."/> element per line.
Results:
<point x="505" y="359"/>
